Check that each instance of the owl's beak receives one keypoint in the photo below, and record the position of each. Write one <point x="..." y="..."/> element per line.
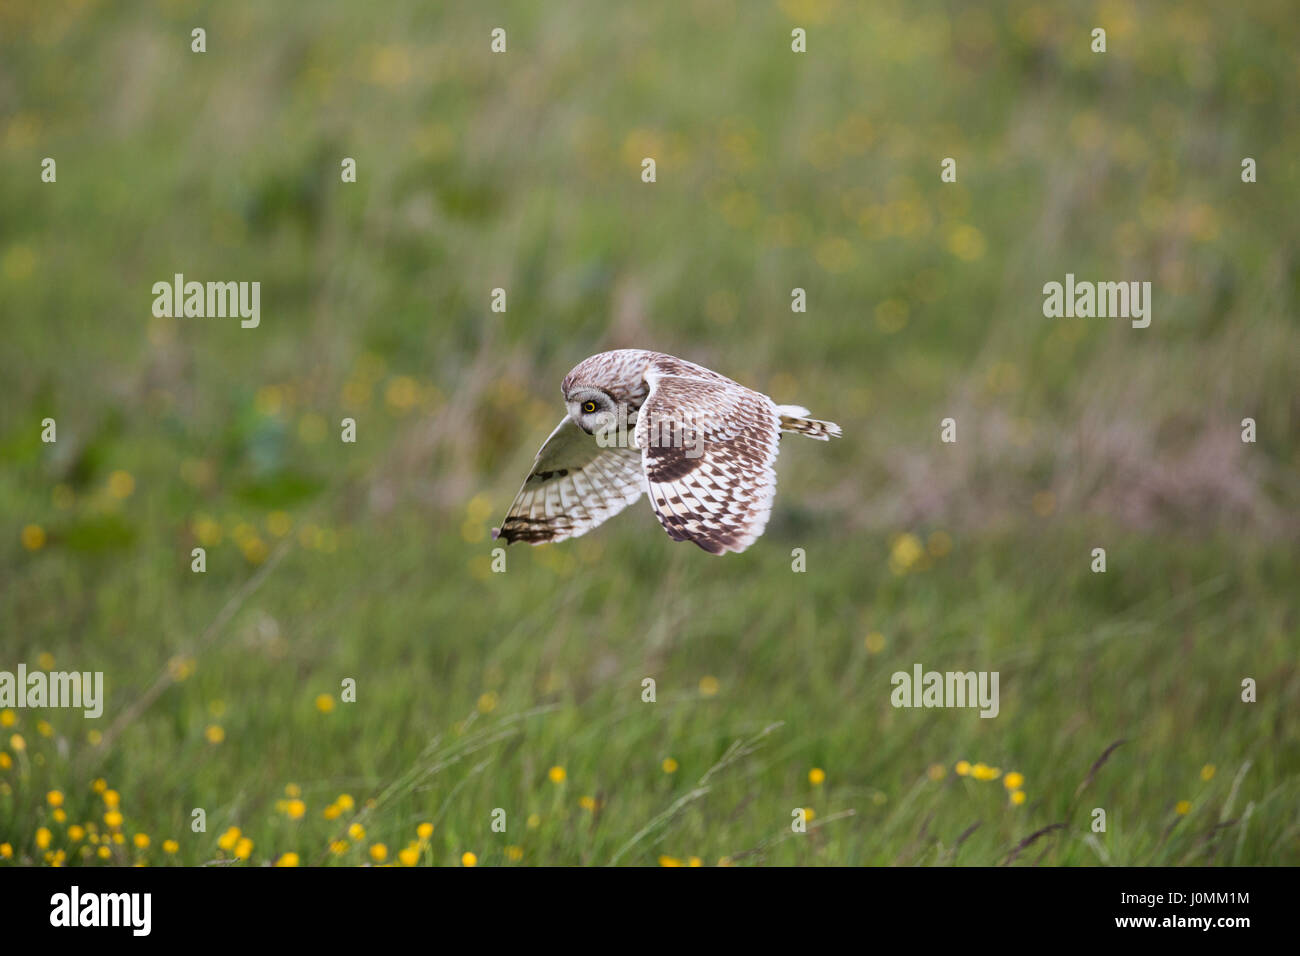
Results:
<point x="576" y="416"/>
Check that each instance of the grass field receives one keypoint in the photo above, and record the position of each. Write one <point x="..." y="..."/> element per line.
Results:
<point x="522" y="692"/>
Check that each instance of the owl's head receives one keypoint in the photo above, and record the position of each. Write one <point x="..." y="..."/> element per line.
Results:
<point x="592" y="409"/>
<point x="603" y="392"/>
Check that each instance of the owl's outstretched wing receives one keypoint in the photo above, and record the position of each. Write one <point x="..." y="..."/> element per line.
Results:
<point x="573" y="486"/>
<point x="708" y="448"/>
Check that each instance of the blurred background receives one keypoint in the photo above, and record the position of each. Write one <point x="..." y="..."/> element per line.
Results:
<point x="523" y="691"/>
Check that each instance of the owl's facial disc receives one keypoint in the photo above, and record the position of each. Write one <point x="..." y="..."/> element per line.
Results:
<point x="592" y="410"/>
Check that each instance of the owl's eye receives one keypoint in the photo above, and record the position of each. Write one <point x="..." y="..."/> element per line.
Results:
<point x="588" y="407"/>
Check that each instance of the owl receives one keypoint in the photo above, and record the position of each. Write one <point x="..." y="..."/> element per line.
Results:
<point x="698" y="444"/>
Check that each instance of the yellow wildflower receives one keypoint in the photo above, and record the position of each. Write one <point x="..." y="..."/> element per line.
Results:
<point x="121" y="485"/>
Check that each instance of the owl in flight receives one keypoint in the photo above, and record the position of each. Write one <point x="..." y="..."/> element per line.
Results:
<point x="639" y="422"/>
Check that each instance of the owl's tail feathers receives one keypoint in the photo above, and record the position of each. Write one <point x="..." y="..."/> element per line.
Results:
<point x="795" y="419"/>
